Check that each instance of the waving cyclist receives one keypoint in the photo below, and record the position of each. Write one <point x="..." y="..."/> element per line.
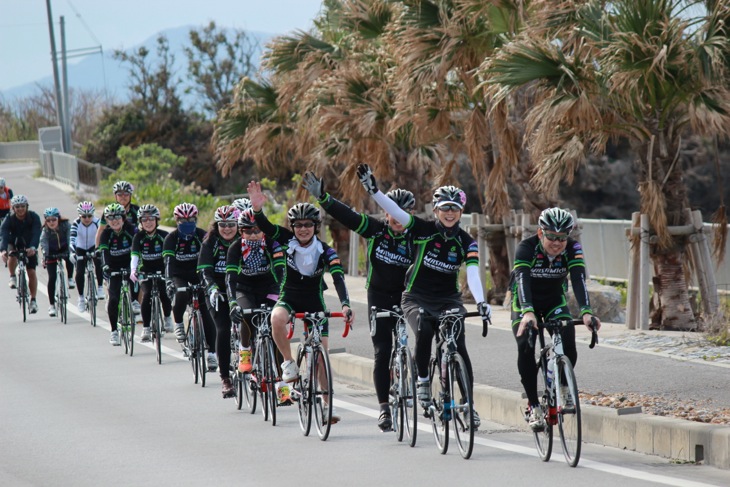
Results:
<point x="82" y="246"/>
<point x="539" y="283"/>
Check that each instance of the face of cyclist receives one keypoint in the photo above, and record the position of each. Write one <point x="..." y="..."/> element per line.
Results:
<point x="254" y="234"/>
<point x="86" y="219"/>
<point x="52" y="222"/>
<point x="20" y="211"/>
<point x="116" y="222"/>
<point x="123" y="198"/>
<point x="303" y="230"/>
<point x="448" y="214"/>
<point x="149" y="223"/>
<point x="227" y="230"/>
<point x="553" y="243"/>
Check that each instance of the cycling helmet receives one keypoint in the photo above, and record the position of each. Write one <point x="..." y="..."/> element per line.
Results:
<point x="246" y="219"/>
<point x="123" y="187"/>
<point x="114" y="209"/>
<point x="446" y="195"/>
<point x="51" y="211"/>
<point x="85" y="208"/>
<point x="556" y="220"/>
<point x="402" y="198"/>
<point x="148" y="210"/>
<point x="18" y="199"/>
<point x="242" y="204"/>
<point x="2" y="182"/>
<point x="226" y="213"/>
<point x="303" y="211"/>
<point x="186" y="210"/>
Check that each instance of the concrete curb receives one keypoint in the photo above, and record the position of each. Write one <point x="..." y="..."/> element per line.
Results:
<point x="680" y="440"/>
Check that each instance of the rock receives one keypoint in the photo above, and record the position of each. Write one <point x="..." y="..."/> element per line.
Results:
<point x="605" y="301"/>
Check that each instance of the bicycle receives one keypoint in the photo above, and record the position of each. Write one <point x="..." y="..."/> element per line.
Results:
<point x="127" y="322"/>
<point x="22" y="290"/>
<point x="402" y="396"/>
<point x="89" y="270"/>
<point x="156" y="327"/>
<point x="561" y="405"/>
<point x="195" y="346"/>
<point x="61" y="293"/>
<point x="451" y="397"/>
<point x="311" y="388"/>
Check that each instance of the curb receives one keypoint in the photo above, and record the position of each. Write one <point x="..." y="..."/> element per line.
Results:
<point x="677" y="439"/>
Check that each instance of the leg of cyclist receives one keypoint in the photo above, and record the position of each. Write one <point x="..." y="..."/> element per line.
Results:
<point x="99" y="274"/>
<point x="70" y="272"/>
<point x="279" y="319"/>
<point x="209" y="327"/>
<point x="382" y="348"/>
<point x="146" y="288"/>
<point x="32" y="282"/>
<point x="80" y="276"/>
<point x="12" y="266"/>
<point x="166" y="308"/>
<point x="422" y="348"/>
<point x="178" y="308"/>
<point x="245" y="301"/>
<point x="112" y="307"/>
<point x="223" y="346"/>
<point x="50" y="266"/>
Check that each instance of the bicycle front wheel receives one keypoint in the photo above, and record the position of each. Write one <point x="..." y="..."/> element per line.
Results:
<point x="200" y="335"/>
<point x="408" y="396"/>
<point x="91" y="296"/>
<point x="568" y="404"/>
<point x="544" y="438"/>
<point x="323" y="399"/>
<point x="269" y="378"/>
<point x="23" y="294"/>
<point x="125" y="322"/>
<point x="302" y="390"/>
<point x="63" y="296"/>
<point x="192" y="347"/>
<point x="394" y="394"/>
<point x="462" y="406"/>
<point x="439" y="418"/>
<point x="156" y="325"/>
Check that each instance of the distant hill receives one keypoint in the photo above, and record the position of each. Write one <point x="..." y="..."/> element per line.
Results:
<point x="111" y="76"/>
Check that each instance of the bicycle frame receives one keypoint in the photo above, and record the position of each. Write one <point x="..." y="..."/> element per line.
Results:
<point x="126" y="313"/>
<point x="156" y="327"/>
<point x="91" y="284"/>
<point x="21" y="275"/>
<point x="195" y="345"/>
<point x="61" y="287"/>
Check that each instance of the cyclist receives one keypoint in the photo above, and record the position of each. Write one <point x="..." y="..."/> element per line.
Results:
<point x="389" y="253"/>
<point x="6" y="195"/>
<point x="432" y="281"/>
<point x="212" y="266"/>
<point x="307" y="258"/>
<point x="55" y="240"/>
<point x="82" y="246"/>
<point x="254" y="269"/>
<point x="539" y="283"/>
<point x="21" y="230"/>
<point x="180" y="251"/>
<point x="116" y="250"/>
<point x="241" y="204"/>
<point x="147" y="258"/>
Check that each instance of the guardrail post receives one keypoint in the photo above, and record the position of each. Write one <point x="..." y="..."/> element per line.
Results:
<point x="644" y="273"/>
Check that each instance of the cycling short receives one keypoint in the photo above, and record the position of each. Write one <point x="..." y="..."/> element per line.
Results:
<point x="300" y="304"/>
<point x="32" y="261"/>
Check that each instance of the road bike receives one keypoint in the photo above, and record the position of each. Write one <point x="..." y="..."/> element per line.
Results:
<point x="451" y="396"/>
<point x="312" y="390"/>
<point x="86" y="264"/>
<point x="156" y="323"/>
<point x="126" y="319"/>
<point x="560" y="405"/>
<point x="195" y="346"/>
<point x="61" y="293"/>
<point x="21" y="276"/>
<point x="402" y="391"/>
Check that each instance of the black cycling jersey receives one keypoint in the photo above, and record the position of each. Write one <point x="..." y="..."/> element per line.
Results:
<point x="212" y="262"/>
<point x="116" y="248"/>
<point x="389" y="253"/>
<point x="148" y="247"/>
<point x="254" y="266"/>
<point x="181" y="255"/>
<point x="25" y="233"/>
<point x="131" y="215"/>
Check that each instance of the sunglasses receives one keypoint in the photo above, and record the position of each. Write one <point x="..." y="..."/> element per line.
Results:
<point x="251" y="231"/>
<point x="302" y="225"/>
<point x="86" y="216"/>
<point x="114" y="217"/>
<point x="187" y="220"/>
<point x="51" y="219"/>
<point x="445" y="208"/>
<point x="146" y="219"/>
<point x="123" y="193"/>
<point x="19" y="207"/>
<point x="227" y="224"/>
<point x="553" y="237"/>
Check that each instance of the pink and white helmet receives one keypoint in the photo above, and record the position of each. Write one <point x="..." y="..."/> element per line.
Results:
<point x="85" y="208"/>
<point x="186" y="210"/>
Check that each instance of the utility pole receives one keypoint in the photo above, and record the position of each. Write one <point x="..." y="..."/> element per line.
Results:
<point x="66" y="101"/>
<point x="57" y="84"/>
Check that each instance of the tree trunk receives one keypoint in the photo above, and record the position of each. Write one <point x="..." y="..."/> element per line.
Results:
<point x="671" y="285"/>
<point x="498" y="267"/>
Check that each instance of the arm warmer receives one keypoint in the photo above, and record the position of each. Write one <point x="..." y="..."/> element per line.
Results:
<point x="392" y="208"/>
<point x="475" y="283"/>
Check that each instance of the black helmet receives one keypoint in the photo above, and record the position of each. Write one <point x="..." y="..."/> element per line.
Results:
<point x="303" y="211"/>
<point x="402" y="198"/>
<point x="556" y="220"/>
<point x="446" y="195"/>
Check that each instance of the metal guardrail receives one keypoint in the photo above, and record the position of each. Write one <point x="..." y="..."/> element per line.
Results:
<point x="19" y="151"/>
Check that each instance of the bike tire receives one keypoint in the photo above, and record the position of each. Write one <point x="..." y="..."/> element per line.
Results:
<point x="439" y="424"/>
<point x="394" y="394"/>
<point x="132" y="326"/>
<point x="462" y="406"/>
<point x="91" y="296"/>
<point x="252" y="382"/>
<point x="302" y="388"/>
<point x="262" y="386"/>
<point x="157" y="328"/>
<point x="322" y="386"/>
<point x="569" y="419"/>
<point x="544" y="438"/>
<point x="124" y="323"/>
<point x="23" y="295"/>
<point x="270" y="399"/>
<point x="409" y="399"/>
<point x="200" y="331"/>
<point x="191" y="347"/>
<point x="62" y="295"/>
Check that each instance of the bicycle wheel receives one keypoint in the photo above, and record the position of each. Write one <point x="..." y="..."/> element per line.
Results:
<point x="91" y="296"/>
<point x="200" y="334"/>
<point x="23" y="294"/>
<point x="302" y="392"/>
<point x="192" y="347"/>
<point x="321" y="390"/>
<point x="261" y="384"/>
<point x="462" y="410"/>
<point x="269" y="378"/>
<point x="544" y="438"/>
<point x="569" y="419"/>
<point x="124" y="321"/>
<point x="156" y="325"/>
<point x="439" y="419"/>
<point x="394" y="394"/>
<point x="62" y="295"/>
<point x="132" y="325"/>
<point x="408" y="396"/>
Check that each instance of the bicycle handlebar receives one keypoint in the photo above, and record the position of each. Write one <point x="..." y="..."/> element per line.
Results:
<point x="319" y="316"/>
<point x="532" y="335"/>
<point x="123" y="273"/>
<point x="486" y="321"/>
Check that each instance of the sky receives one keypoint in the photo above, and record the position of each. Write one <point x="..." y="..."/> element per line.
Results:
<point x="121" y="24"/>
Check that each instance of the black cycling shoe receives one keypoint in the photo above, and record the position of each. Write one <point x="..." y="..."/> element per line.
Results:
<point x="385" y="422"/>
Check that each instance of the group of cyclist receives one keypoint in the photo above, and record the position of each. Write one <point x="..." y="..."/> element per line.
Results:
<point x="244" y="261"/>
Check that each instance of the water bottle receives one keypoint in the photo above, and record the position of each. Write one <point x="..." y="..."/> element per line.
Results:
<point x="447" y="407"/>
<point x="550" y="371"/>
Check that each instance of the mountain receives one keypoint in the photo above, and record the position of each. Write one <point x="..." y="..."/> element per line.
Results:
<point x="106" y="74"/>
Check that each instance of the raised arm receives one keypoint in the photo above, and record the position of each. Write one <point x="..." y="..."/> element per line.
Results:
<point x="367" y="179"/>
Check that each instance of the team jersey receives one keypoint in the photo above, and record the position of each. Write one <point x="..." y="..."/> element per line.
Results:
<point x="84" y="236"/>
<point x="390" y="254"/>
<point x="131" y="215"/>
<point x="253" y="266"/>
<point x="181" y="256"/>
<point x="116" y="248"/>
<point x="212" y="261"/>
<point x="538" y="281"/>
<point x="149" y="250"/>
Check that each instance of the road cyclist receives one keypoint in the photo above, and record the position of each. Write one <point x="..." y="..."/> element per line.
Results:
<point x="82" y="246"/>
<point x="390" y="254"/>
<point x="307" y="259"/>
<point x="6" y="195"/>
<point x="432" y="282"/>
<point x="54" y="244"/>
<point x="21" y="230"/>
<point x="116" y="255"/>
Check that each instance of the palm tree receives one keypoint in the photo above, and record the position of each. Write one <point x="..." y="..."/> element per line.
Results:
<point x="651" y="71"/>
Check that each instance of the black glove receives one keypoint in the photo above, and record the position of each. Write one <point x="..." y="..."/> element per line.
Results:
<point x="485" y="310"/>
<point x="367" y="179"/>
<point x="171" y="288"/>
<point x="236" y="313"/>
<point x="313" y="184"/>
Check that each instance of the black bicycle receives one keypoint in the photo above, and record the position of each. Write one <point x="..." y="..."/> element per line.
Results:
<point x="560" y="405"/>
<point x="61" y="293"/>
<point x="195" y="346"/>
<point x="127" y="322"/>
<point x="157" y="329"/>
<point x="264" y="373"/>
<point x="21" y="275"/>
<point x="85" y="264"/>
